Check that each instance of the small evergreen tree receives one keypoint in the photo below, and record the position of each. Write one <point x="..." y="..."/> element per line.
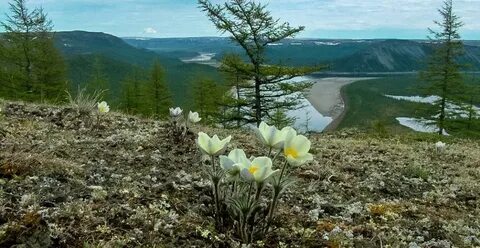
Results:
<point x="206" y="97"/>
<point x="253" y="28"/>
<point x="50" y="71"/>
<point x="280" y="119"/>
<point x="98" y="78"/>
<point x="131" y="93"/>
<point x="472" y="98"/>
<point x="443" y="71"/>
<point x="31" y="68"/>
<point x="157" y="94"/>
<point x="236" y="102"/>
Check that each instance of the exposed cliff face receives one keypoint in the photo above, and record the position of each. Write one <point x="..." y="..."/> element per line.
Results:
<point x="342" y="55"/>
<point x="399" y="56"/>
<point x="69" y="180"/>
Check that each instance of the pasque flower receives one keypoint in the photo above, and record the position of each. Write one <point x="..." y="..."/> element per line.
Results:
<point x="212" y="146"/>
<point x="234" y="162"/>
<point x="440" y="146"/>
<point x="103" y="107"/>
<point x="259" y="170"/>
<point x="296" y="150"/>
<point x="193" y="117"/>
<point x="175" y="112"/>
<point x="271" y="136"/>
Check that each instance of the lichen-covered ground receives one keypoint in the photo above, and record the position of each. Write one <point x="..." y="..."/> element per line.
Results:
<point x="76" y="181"/>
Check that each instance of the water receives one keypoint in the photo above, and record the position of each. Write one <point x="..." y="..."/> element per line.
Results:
<point x="419" y="125"/>
<point x="427" y="126"/>
<point x="317" y="121"/>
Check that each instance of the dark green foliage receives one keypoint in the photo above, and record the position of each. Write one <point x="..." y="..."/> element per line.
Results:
<point x="98" y="79"/>
<point x="280" y="119"/>
<point x="131" y="100"/>
<point x="236" y="103"/>
<point x="206" y="97"/>
<point x="31" y="67"/>
<point x="157" y="97"/>
<point x="119" y="58"/>
<point x="253" y="28"/>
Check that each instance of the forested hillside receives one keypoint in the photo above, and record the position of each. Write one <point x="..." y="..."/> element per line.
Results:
<point x="341" y="55"/>
<point x="116" y="59"/>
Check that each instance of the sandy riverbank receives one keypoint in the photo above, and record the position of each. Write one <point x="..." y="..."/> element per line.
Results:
<point x="325" y="95"/>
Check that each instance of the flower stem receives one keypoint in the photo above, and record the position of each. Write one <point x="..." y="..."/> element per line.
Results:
<point x="259" y="190"/>
<point x="215" y="182"/>
<point x="276" y="193"/>
<point x="282" y="172"/>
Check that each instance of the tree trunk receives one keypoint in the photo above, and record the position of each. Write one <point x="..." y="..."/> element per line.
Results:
<point x="258" y="102"/>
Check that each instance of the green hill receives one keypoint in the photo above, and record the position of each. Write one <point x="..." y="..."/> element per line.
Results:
<point x="342" y="55"/>
<point x="119" y="58"/>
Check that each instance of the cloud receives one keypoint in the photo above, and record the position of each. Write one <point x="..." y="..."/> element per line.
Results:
<point x="149" y="31"/>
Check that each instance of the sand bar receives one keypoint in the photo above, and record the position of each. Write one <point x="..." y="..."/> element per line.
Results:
<point x="325" y="95"/>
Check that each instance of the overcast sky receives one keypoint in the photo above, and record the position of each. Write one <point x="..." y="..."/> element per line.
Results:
<point x="322" y="18"/>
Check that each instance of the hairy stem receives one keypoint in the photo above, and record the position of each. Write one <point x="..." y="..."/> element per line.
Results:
<point x="259" y="190"/>
<point x="215" y="182"/>
<point x="276" y="194"/>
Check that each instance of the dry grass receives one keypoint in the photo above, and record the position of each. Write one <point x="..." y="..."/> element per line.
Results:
<point x="127" y="183"/>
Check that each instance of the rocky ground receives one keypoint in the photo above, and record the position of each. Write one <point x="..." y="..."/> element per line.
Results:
<point x="75" y="180"/>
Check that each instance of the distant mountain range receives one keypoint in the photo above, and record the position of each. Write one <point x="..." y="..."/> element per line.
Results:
<point x="342" y="55"/>
<point x="182" y="57"/>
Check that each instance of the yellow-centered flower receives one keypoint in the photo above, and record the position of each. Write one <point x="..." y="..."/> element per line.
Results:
<point x="259" y="170"/>
<point x="296" y="150"/>
<point x="234" y="162"/>
<point x="212" y="146"/>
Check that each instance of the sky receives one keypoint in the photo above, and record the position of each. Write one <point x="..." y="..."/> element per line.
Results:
<point x="361" y="19"/>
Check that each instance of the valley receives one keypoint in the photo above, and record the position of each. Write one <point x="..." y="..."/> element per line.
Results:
<point x="186" y="58"/>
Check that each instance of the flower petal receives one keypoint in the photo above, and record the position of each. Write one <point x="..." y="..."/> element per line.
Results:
<point x="226" y="163"/>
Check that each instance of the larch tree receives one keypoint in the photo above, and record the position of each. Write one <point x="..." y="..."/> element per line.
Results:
<point x="131" y="91"/>
<point x="156" y="92"/>
<point x="472" y="99"/>
<point x="235" y="103"/>
<point x="253" y="28"/>
<point x="32" y="68"/>
<point x="443" y="73"/>
<point x="98" y="81"/>
<point x="206" y="98"/>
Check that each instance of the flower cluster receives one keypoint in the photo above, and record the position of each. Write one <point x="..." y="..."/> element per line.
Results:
<point x="238" y="181"/>
<point x="176" y="115"/>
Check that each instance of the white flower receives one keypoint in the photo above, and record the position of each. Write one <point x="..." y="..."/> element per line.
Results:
<point x="235" y="162"/>
<point x="271" y="136"/>
<point x="440" y="146"/>
<point x="103" y="107"/>
<point x="175" y="112"/>
<point x="287" y="132"/>
<point x="212" y="146"/>
<point x="259" y="170"/>
<point x="193" y="117"/>
<point x="296" y="150"/>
